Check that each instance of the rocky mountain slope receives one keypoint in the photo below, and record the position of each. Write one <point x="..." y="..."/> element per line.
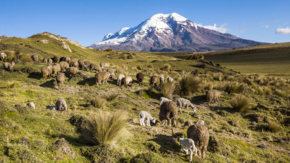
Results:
<point x="171" y="32"/>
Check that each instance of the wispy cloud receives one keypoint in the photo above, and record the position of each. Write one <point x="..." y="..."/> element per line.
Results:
<point x="266" y="26"/>
<point x="285" y="31"/>
<point x="244" y="30"/>
<point x="221" y="28"/>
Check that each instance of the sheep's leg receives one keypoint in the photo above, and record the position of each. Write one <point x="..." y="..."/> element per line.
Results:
<point x="187" y="109"/>
<point x="180" y="110"/>
<point x="170" y="122"/>
<point x="195" y="150"/>
<point x="140" y="120"/>
<point x="148" y="122"/>
<point x="190" y="151"/>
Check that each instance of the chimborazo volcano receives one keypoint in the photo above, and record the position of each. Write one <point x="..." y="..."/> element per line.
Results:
<point x="171" y="33"/>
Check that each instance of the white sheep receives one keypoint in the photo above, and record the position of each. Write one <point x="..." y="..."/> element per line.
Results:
<point x="181" y="102"/>
<point x="162" y="80"/>
<point x="163" y="99"/>
<point x="120" y="78"/>
<point x="31" y="105"/>
<point x="170" y="79"/>
<point x="87" y="68"/>
<point x="61" y="105"/>
<point x="188" y="144"/>
<point x="145" y="115"/>
<point x="3" y="56"/>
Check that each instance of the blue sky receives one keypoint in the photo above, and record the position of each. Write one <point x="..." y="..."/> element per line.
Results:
<point x="87" y="22"/>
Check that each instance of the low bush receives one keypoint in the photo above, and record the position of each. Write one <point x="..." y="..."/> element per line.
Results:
<point x="274" y="127"/>
<point x="98" y="102"/>
<point x="168" y="89"/>
<point x="240" y="103"/>
<point x="26" y="58"/>
<point x="10" y="84"/>
<point x="166" y="67"/>
<point x="195" y="56"/>
<point x="188" y="85"/>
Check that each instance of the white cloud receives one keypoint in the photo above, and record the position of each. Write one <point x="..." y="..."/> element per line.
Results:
<point x="244" y="30"/>
<point x="221" y="29"/>
<point x="285" y="31"/>
<point x="266" y="26"/>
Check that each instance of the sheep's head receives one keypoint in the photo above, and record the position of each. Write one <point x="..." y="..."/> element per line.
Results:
<point x="12" y="63"/>
<point x="194" y="108"/>
<point x="153" y="120"/>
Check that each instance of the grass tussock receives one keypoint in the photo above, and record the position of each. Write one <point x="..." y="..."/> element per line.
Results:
<point x="106" y="128"/>
<point x="168" y="89"/>
<point x="26" y="58"/>
<point x="98" y="102"/>
<point x="110" y="97"/>
<point x="240" y="103"/>
<point x="166" y="67"/>
<point x="11" y="56"/>
<point x="187" y="85"/>
<point x="10" y="84"/>
<point x="195" y="56"/>
<point x="139" y="67"/>
<point x="274" y="127"/>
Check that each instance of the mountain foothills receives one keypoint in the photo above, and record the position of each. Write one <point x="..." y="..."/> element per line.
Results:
<point x="62" y="102"/>
<point x="171" y="33"/>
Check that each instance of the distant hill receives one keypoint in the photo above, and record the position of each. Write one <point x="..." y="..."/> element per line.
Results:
<point x="171" y="33"/>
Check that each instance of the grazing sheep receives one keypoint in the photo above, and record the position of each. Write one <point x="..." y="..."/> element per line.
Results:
<point x="63" y="65"/>
<point x="31" y="105"/>
<point x="188" y="144"/>
<point x="46" y="71"/>
<point x="49" y="60"/>
<point x="62" y="59"/>
<point x="34" y="57"/>
<point x="87" y="63"/>
<point x="8" y="66"/>
<point x="96" y="67"/>
<point x="55" y="69"/>
<point x="213" y="95"/>
<point x="154" y="80"/>
<point x="102" y="77"/>
<point x="72" y="71"/>
<point x="72" y="60"/>
<point x="104" y="65"/>
<point x="120" y="79"/>
<point x="74" y="63"/>
<point x="163" y="99"/>
<point x="60" y="79"/>
<point x="61" y="105"/>
<point x="170" y="79"/>
<point x="112" y="72"/>
<point x="3" y="56"/>
<point x="162" y="80"/>
<point x="200" y="135"/>
<point x="145" y="115"/>
<point x="182" y="102"/>
<point x="54" y="59"/>
<point x="45" y="60"/>
<point x="87" y="68"/>
<point x="82" y="64"/>
<point x="168" y="111"/>
<point x="67" y="59"/>
<point x="50" y="107"/>
<point x="127" y="80"/>
<point x="140" y="77"/>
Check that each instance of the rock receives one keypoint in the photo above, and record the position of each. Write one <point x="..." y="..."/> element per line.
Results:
<point x="262" y="145"/>
<point x="76" y="44"/>
<point x="234" y="123"/>
<point x="63" y="147"/>
<point x="64" y="45"/>
<point x="254" y="123"/>
<point x="43" y="41"/>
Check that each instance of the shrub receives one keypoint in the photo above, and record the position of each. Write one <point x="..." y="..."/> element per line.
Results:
<point x="240" y="103"/>
<point x="274" y="127"/>
<point x="26" y="58"/>
<point x="166" y="67"/>
<point x="167" y="89"/>
<point x="98" y="102"/>
<point x="195" y="56"/>
<point x="187" y="85"/>
<point x="10" y="56"/>
<point x="105" y="128"/>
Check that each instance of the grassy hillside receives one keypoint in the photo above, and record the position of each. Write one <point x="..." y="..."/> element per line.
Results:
<point x="259" y="133"/>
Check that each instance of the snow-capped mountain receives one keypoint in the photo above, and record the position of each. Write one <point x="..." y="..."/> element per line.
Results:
<point x="170" y="32"/>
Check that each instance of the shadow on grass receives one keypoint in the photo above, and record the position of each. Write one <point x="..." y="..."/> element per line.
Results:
<point x="48" y="84"/>
<point x="199" y="99"/>
<point x="35" y="76"/>
<point x="70" y="139"/>
<point x="149" y="94"/>
<point x="90" y="81"/>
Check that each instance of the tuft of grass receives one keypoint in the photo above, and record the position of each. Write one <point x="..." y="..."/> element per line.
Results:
<point x="240" y="103"/>
<point x="149" y="66"/>
<point x="10" y="56"/>
<point x="281" y="93"/>
<point x="166" y="67"/>
<point x="274" y="127"/>
<point x="168" y="89"/>
<point x="187" y="85"/>
<point x="105" y="128"/>
<point x="98" y="102"/>
<point x="10" y="84"/>
<point x="119" y="70"/>
<point x="195" y="56"/>
<point x="139" y="67"/>
<point x="110" y="97"/>
<point x="26" y="58"/>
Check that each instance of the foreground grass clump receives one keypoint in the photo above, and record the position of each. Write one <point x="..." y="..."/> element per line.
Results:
<point x="188" y="85"/>
<point x="195" y="56"/>
<point x="106" y="128"/>
<point x="10" y="84"/>
<point x="240" y="103"/>
<point x="98" y="102"/>
<point x="166" y="67"/>
<point x="168" y="89"/>
<point x="274" y="127"/>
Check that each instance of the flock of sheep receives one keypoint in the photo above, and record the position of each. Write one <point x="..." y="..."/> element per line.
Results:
<point x="198" y="135"/>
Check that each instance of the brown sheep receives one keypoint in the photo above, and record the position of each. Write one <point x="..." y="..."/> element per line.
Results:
<point x="213" y="95"/>
<point x="96" y="67"/>
<point x="60" y="79"/>
<point x="104" y="64"/>
<point x="140" y="78"/>
<point x="127" y="80"/>
<point x="102" y="77"/>
<point x="63" y="65"/>
<point x="154" y="80"/>
<point x="67" y="59"/>
<point x="168" y="111"/>
<point x="54" y="59"/>
<point x="49" y="60"/>
<point x="88" y="63"/>
<point x="55" y="69"/>
<point x="112" y="72"/>
<point x="8" y="66"/>
<point x="200" y="135"/>
<point x="82" y="64"/>
<point x="72" y="71"/>
<point x="46" y="71"/>
<point x="62" y="59"/>
<point x="34" y="57"/>
<point x="73" y="60"/>
<point x="74" y="63"/>
<point x="45" y="60"/>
